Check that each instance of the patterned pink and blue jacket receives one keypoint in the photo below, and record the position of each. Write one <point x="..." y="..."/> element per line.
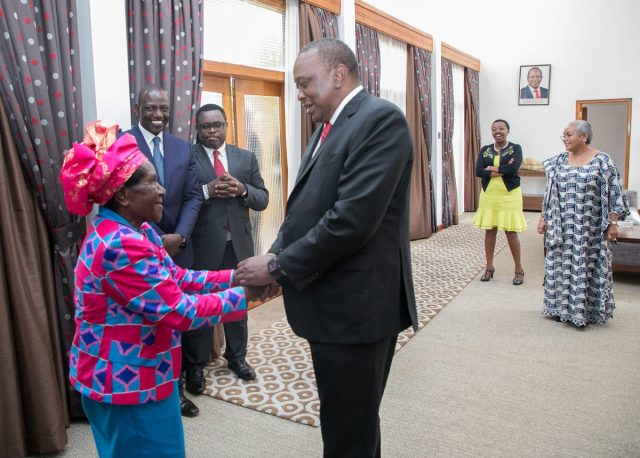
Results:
<point x="131" y="302"/>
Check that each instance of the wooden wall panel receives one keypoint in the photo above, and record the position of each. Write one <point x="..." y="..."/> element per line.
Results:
<point x="225" y="69"/>
<point x="395" y="28"/>
<point x="459" y="57"/>
<point x="333" y="6"/>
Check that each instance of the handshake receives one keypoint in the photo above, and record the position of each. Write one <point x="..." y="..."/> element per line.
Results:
<point x="253" y="274"/>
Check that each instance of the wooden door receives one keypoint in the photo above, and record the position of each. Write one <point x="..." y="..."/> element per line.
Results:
<point x="611" y="123"/>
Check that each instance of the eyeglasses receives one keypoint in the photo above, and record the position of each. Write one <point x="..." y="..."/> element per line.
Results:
<point x="214" y="125"/>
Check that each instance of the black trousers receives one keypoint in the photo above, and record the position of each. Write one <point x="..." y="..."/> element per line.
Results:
<point x="196" y="344"/>
<point x="351" y="381"/>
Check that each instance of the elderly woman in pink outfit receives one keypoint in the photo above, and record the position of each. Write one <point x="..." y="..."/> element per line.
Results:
<point x="132" y="300"/>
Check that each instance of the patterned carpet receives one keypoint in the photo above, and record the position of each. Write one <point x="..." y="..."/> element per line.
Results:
<point x="285" y="385"/>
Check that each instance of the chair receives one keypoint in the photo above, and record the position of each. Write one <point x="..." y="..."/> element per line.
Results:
<point x="626" y="255"/>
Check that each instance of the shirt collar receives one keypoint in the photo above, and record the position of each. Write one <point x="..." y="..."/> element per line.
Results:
<point x="222" y="150"/>
<point x="343" y="103"/>
<point x="148" y="136"/>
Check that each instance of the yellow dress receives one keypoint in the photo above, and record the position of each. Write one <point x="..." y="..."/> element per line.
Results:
<point x="499" y="208"/>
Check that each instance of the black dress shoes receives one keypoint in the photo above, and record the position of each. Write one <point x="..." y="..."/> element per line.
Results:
<point x="195" y="382"/>
<point x="242" y="369"/>
<point x="188" y="408"/>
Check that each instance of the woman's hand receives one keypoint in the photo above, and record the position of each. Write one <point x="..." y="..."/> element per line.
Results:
<point x="542" y="226"/>
<point x="171" y="243"/>
<point x="253" y="293"/>
<point x="612" y="232"/>
<point x="262" y="293"/>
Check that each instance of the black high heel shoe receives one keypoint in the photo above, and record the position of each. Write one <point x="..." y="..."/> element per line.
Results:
<point x="518" y="280"/>
<point x="488" y="274"/>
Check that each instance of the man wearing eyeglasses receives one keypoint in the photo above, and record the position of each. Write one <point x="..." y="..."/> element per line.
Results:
<point x="230" y="184"/>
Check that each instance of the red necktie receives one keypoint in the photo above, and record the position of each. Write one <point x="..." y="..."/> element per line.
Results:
<point x="217" y="163"/>
<point x="536" y="93"/>
<point x="325" y="131"/>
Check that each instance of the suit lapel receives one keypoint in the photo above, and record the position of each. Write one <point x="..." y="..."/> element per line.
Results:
<point x="232" y="161"/>
<point x="336" y="131"/>
<point x="171" y="160"/>
<point x="306" y="157"/>
<point x="142" y="143"/>
<point x="203" y="161"/>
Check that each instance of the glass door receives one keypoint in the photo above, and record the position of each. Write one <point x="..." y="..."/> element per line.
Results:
<point x="255" y="115"/>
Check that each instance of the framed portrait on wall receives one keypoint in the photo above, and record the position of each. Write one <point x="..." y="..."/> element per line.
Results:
<point x="535" y="87"/>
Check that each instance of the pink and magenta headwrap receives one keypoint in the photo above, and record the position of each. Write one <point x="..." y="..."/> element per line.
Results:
<point x="94" y="169"/>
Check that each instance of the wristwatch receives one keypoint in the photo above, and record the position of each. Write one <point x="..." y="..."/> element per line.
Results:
<point x="614" y="222"/>
<point x="184" y="241"/>
<point x="274" y="268"/>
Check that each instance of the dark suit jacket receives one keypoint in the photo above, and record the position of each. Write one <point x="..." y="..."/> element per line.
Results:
<point x="510" y="175"/>
<point x="344" y="243"/>
<point x="209" y="234"/>
<point x="525" y="92"/>
<point x="183" y="196"/>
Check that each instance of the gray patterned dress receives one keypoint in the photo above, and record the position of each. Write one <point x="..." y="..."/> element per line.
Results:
<point x="576" y="208"/>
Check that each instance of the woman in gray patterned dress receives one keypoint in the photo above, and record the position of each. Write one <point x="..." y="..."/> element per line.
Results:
<point x="582" y="204"/>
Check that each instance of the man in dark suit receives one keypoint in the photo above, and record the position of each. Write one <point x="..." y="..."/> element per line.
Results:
<point x="533" y="90"/>
<point x="176" y="171"/>
<point x="342" y="254"/>
<point x="231" y="184"/>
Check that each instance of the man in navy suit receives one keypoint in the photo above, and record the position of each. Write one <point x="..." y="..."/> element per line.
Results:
<point x="342" y="254"/>
<point x="231" y="184"/>
<point x="176" y="171"/>
<point x="533" y="90"/>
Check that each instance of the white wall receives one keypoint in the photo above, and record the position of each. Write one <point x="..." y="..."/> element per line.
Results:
<point x="593" y="47"/>
<point x="104" y="61"/>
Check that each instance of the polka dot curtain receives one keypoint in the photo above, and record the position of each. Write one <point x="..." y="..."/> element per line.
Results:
<point x="421" y="218"/>
<point x="41" y="92"/>
<point x="422" y="63"/>
<point x="165" y="49"/>
<point x="368" y="54"/>
<point x="449" y="194"/>
<point x="472" y="138"/>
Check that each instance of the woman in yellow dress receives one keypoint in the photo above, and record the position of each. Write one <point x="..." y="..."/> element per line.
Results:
<point x="501" y="197"/>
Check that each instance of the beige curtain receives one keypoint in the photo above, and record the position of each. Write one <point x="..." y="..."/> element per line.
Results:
<point x="33" y="410"/>
<point x="420" y="217"/>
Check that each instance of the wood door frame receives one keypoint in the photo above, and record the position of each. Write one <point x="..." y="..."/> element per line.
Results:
<point x="580" y="104"/>
<point x="214" y="70"/>
<point x="266" y="88"/>
<point x="215" y="83"/>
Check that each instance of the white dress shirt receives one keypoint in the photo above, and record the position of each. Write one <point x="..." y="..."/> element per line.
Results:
<point x="223" y="158"/>
<point x="336" y="113"/>
<point x="148" y="137"/>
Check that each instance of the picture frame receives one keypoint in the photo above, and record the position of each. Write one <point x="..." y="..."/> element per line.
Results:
<point x="534" y="84"/>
